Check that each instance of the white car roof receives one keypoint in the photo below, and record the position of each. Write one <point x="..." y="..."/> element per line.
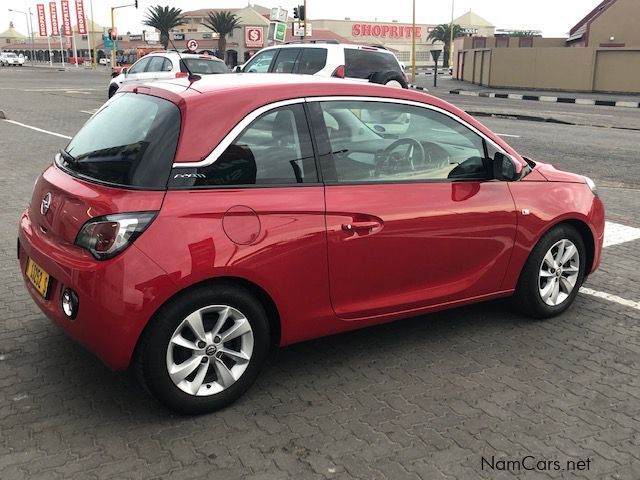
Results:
<point x="173" y="54"/>
<point x="331" y="46"/>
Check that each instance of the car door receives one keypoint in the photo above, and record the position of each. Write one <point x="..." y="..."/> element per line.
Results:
<point x="137" y="71"/>
<point x="156" y="69"/>
<point x="260" y="62"/>
<point x="413" y="216"/>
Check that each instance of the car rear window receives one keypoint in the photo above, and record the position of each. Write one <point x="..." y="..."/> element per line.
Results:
<point x="203" y="66"/>
<point x="131" y="141"/>
<point x="363" y="63"/>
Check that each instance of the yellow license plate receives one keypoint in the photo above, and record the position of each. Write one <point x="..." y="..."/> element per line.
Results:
<point x="38" y="277"/>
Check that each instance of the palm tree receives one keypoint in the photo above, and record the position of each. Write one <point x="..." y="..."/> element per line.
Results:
<point x="223" y="23"/>
<point x="164" y="19"/>
<point x="442" y="33"/>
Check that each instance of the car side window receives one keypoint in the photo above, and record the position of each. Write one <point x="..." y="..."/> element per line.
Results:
<point x="286" y="60"/>
<point x="391" y="142"/>
<point x="140" y="65"/>
<point x="274" y="150"/>
<point x="312" y="60"/>
<point x="167" y="66"/>
<point x="155" y="64"/>
<point x="260" y="62"/>
<point x="363" y="63"/>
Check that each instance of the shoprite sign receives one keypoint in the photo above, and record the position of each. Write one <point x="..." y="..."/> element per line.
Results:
<point x="388" y="31"/>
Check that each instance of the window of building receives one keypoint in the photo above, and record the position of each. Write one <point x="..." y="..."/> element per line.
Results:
<point x="502" y="42"/>
<point x="479" y="42"/>
<point x="404" y="56"/>
<point x="526" y="42"/>
<point x="423" y="56"/>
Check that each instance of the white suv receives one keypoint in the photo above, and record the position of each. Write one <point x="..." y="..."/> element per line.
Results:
<point x="363" y="62"/>
<point x="164" y="64"/>
<point x="11" y="59"/>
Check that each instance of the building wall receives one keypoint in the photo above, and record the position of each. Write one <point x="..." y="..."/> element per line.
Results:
<point x="620" y="20"/>
<point x="556" y="68"/>
<point x="617" y="70"/>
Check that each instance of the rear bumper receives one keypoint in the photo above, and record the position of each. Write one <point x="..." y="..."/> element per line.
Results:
<point x="117" y="296"/>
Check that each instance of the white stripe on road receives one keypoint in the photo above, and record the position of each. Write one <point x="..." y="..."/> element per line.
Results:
<point x="615" y="234"/>
<point x="39" y="129"/>
<point x="611" y="298"/>
<point x="507" y="135"/>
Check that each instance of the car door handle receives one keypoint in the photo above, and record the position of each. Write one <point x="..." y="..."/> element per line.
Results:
<point x="360" y="226"/>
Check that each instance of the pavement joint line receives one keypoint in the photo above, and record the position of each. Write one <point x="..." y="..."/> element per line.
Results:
<point x="39" y="129"/>
<point x="508" y="135"/>
<point x="548" y="98"/>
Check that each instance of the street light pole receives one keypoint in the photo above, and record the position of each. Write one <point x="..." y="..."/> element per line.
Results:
<point x="413" y="45"/>
<point x="29" y="32"/>
<point x="453" y="2"/>
<point x="33" y="52"/>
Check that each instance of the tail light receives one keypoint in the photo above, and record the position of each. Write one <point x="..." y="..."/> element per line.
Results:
<point x="105" y="237"/>
<point x="406" y="77"/>
<point x="338" y="72"/>
<point x="182" y="74"/>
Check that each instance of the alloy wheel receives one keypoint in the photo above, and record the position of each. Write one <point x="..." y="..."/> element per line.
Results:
<point x="210" y="350"/>
<point x="558" y="273"/>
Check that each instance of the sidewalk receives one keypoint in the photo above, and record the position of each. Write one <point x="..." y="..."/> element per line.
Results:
<point x="446" y="84"/>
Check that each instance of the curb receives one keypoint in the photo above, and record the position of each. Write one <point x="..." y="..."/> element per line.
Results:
<point x="550" y="99"/>
<point x="416" y="87"/>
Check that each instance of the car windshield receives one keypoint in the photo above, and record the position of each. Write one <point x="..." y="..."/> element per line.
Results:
<point x="131" y="141"/>
<point x="11" y="55"/>
<point x="204" y="66"/>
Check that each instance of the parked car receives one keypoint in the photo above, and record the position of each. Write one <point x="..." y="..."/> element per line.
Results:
<point x="10" y="59"/>
<point x="189" y="225"/>
<point x="164" y="65"/>
<point x="360" y="62"/>
<point x="75" y="60"/>
<point x="104" y="61"/>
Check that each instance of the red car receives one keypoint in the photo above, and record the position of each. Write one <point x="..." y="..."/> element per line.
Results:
<point x="188" y="226"/>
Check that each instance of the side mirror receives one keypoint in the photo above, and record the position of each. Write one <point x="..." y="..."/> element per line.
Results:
<point x="237" y="69"/>
<point x="504" y="167"/>
<point x="125" y="71"/>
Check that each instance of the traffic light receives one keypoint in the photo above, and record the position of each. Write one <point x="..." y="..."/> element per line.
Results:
<point x="301" y="12"/>
<point x="136" y="3"/>
<point x="295" y="12"/>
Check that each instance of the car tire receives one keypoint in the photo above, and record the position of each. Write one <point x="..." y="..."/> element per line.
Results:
<point x="220" y="370"/>
<point x="112" y="90"/>
<point x="391" y="78"/>
<point x="553" y="274"/>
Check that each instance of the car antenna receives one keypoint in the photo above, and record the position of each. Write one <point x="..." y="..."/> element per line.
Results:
<point x="192" y="77"/>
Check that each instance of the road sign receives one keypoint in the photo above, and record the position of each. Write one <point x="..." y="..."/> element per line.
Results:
<point x="277" y="31"/>
<point x="279" y="14"/>
<point x="192" y="45"/>
<point x="298" y="32"/>
<point x="254" y="37"/>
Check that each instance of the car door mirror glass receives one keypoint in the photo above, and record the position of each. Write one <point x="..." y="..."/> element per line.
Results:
<point x="504" y="167"/>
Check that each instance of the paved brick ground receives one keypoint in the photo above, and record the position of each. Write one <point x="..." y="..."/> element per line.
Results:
<point x="425" y="398"/>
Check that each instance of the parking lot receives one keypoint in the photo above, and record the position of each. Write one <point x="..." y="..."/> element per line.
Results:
<point x="448" y="395"/>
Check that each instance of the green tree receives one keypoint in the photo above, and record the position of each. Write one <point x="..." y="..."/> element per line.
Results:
<point x="164" y="19"/>
<point x="442" y="33"/>
<point x="223" y="23"/>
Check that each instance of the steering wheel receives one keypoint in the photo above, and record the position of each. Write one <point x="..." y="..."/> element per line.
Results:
<point x="391" y="161"/>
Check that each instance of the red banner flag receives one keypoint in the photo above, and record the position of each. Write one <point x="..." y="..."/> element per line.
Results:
<point x="55" y="29"/>
<point x="42" y="20"/>
<point x="66" y="17"/>
<point x="82" y="24"/>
